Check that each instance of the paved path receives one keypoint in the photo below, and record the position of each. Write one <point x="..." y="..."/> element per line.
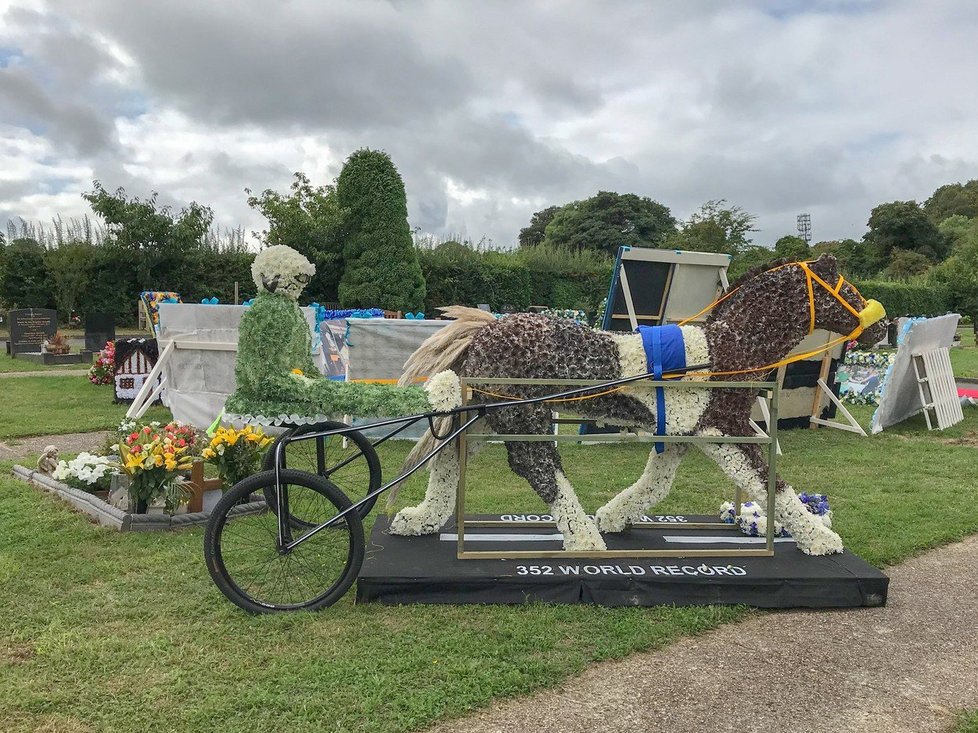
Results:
<point x="18" y="449"/>
<point x="906" y="668"/>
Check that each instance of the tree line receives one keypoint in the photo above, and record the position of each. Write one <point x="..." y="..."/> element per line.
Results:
<point x="355" y="230"/>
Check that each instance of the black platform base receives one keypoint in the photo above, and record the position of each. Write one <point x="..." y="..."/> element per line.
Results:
<point x="426" y="570"/>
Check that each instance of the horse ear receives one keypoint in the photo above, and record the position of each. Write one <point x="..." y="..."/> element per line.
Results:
<point x="826" y="266"/>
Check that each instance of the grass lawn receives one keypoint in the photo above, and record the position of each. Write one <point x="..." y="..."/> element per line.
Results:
<point x="967" y="722"/>
<point x="964" y="361"/>
<point x="101" y="631"/>
<point x="9" y="364"/>
<point x="65" y="404"/>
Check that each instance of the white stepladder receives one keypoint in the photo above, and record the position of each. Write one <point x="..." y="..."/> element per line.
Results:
<point x="937" y="388"/>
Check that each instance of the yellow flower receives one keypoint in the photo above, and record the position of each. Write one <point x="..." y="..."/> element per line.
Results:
<point x="207" y="453"/>
<point x="171" y="465"/>
<point x="158" y="460"/>
<point x="299" y="372"/>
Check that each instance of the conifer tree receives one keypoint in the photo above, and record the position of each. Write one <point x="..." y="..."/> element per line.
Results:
<point x="381" y="267"/>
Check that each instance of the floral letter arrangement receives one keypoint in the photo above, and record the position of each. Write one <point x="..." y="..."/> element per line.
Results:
<point x="762" y="318"/>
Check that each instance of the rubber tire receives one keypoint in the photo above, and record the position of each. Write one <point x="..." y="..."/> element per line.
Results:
<point x="258" y="483"/>
<point x="362" y="442"/>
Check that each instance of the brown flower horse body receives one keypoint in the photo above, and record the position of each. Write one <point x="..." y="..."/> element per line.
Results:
<point x="766" y="317"/>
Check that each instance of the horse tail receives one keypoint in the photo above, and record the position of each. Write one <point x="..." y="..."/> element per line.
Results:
<point x="447" y="348"/>
<point x="444" y="350"/>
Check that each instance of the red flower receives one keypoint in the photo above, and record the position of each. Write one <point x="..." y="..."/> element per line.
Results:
<point x="147" y="430"/>
<point x="134" y="436"/>
<point x="137" y="448"/>
<point x="182" y="443"/>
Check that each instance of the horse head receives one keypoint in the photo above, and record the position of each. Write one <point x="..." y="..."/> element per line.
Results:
<point x="832" y="315"/>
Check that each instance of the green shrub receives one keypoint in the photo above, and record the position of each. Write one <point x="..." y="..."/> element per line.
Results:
<point x="908" y="299"/>
<point x="69" y="268"/>
<point x="458" y="274"/>
<point x="25" y="282"/>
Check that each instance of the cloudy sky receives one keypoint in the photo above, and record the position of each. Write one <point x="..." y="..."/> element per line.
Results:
<point x="492" y="110"/>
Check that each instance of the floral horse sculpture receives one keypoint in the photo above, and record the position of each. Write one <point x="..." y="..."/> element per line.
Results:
<point x="764" y="316"/>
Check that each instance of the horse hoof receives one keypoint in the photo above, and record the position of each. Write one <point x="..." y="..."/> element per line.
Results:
<point x="586" y="539"/>
<point x="822" y="542"/>
<point x="585" y="544"/>
<point x="413" y="521"/>
<point x="610" y="521"/>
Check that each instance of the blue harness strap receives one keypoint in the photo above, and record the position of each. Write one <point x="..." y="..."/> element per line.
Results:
<point x="665" y="351"/>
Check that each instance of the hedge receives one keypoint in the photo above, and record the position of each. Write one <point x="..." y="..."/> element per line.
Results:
<point x="454" y="276"/>
<point x="908" y="299"/>
<point x="501" y="279"/>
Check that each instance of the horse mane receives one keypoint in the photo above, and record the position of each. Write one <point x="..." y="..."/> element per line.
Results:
<point x="753" y="272"/>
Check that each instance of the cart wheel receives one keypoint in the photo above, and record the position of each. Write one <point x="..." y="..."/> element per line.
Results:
<point x="354" y="469"/>
<point x="242" y="553"/>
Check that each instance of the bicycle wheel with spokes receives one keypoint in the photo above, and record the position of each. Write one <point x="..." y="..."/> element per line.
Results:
<point x="253" y="569"/>
<point x="349" y="461"/>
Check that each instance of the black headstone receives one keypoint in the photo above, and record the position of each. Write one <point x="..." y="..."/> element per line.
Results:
<point x="31" y="327"/>
<point x="99" y="328"/>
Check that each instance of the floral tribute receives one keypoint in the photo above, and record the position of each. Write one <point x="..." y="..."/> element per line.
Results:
<point x="103" y="368"/>
<point x="751" y="519"/>
<point x="753" y="522"/>
<point x="154" y="455"/>
<point x="763" y="317"/>
<point x="862" y="374"/>
<point x="153" y="298"/>
<point x="277" y="381"/>
<point x="236" y="453"/>
<point x="87" y="472"/>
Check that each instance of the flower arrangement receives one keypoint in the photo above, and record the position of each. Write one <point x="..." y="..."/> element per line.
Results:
<point x="753" y="522"/>
<point x="103" y="369"/>
<point x="57" y="345"/>
<point x="571" y="314"/>
<point x="751" y="519"/>
<point x="236" y="453"/>
<point x="86" y="472"/>
<point x="154" y="455"/>
<point x="861" y="376"/>
<point x="817" y="504"/>
<point x="153" y="298"/>
<point x="599" y="316"/>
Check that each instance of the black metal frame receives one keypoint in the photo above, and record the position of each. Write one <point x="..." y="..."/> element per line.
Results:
<point x="287" y="543"/>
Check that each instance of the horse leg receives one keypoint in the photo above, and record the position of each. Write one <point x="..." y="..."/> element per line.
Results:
<point x="652" y="487"/>
<point x="439" y="500"/>
<point x="745" y="464"/>
<point x="539" y="463"/>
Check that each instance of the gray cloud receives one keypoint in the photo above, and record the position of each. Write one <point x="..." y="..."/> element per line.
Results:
<point x="493" y="110"/>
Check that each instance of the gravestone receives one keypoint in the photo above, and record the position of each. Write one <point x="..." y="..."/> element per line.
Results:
<point x="30" y="328"/>
<point x="99" y="328"/>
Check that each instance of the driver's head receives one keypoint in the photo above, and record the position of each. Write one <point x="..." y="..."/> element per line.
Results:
<point x="281" y="270"/>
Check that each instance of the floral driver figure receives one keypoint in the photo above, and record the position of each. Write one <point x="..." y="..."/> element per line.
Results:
<point x="275" y="373"/>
